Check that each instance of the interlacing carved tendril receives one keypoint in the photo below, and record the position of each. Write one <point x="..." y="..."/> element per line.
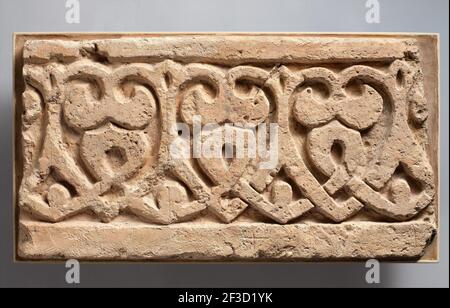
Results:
<point x="105" y="134"/>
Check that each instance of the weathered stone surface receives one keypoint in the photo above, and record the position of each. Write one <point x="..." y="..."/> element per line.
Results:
<point x="239" y="241"/>
<point x="356" y="167"/>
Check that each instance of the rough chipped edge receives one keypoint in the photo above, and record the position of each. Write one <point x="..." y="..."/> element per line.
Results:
<point x="225" y="49"/>
<point x="435" y="252"/>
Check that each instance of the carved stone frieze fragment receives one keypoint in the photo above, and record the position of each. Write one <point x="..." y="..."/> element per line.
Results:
<point x="123" y="147"/>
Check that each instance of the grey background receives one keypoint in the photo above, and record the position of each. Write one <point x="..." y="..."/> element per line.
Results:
<point x="211" y="15"/>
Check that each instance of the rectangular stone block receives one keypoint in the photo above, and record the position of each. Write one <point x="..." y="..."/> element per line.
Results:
<point x="227" y="147"/>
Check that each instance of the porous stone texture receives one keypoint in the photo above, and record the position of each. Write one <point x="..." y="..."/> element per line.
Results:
<point x="357" y="162"/>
